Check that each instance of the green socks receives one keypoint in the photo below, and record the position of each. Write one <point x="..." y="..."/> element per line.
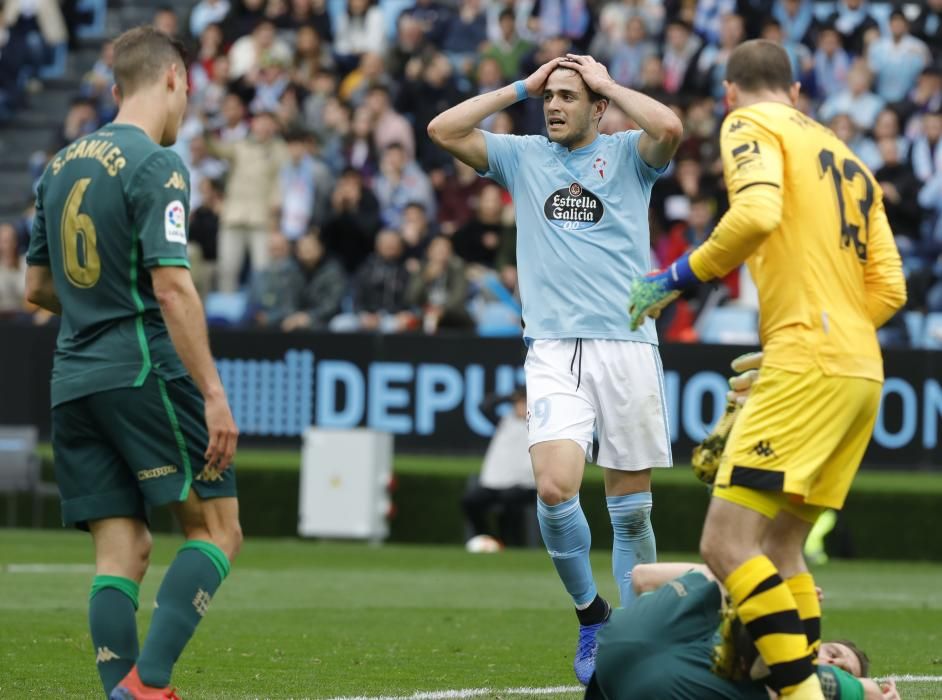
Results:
<point x="111" y="609"/>
<point x="185" y="593"/>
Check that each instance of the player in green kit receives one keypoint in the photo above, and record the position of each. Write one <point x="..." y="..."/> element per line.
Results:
<point x="662" y="647"/>
<point x="139" y="415"/>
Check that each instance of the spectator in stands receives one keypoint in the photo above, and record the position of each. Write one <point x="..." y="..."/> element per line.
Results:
<point x="311" y="55"/>
<point x="351" y="226"/>
<point x="80" y="120"/>
<point x="685" y="235"/>
<point x="708" y="19"/>
<point x="457" y="196"/>
<point x="410" y="42"/>
<point x="831" y="63"/>
<point x="416" y="232"/>
<point x="630" y="55"/>
<point x="389" y="126"/>
<point x="297" y="15"/>
<point x="885" y="126"/>
<point x="400" y="182"/>
<point x="928" y="24"/>
<point x="510" y="48"/>
<point x="432" y="16"/>
<point x="488" y="78"/>
<point x="204" y="64"/>
<point x="243" y="18"/>
<point x="321" y="88"/>
<point x="856" y="99"/>
<point x="428" y="90"/>
<point x="681" y="48"/>
<point x="439" y="289"/>
<point x="506" y="481"/>
<point x="569" y="19"/>
<point x="205" y="13"/>
<point x="274" y="288"/>
<point x="369" y="72"/>
<point x="12" y="274"/>
<point x="358" y="149"/>
<point x="930" y="199"/>
<point x="487" y="236"/>
<point x="247" y="52"/>
<point x="202" y="166"/>
<point x="204" y="234"/>
<point x="846" y="130"/>
<point x="466" y="34"/>
<point x="611" y="32"/>
<point x="234" y="123"/>
<point x="360" y="28"/>
<point x="852" y="20"/>
<point x="379" y="291"/>
<point x="897" y="59"/>
<point x="711" y="65"/>
<point x="925" y="97"/>
<point x="38" y="29"/>
<point x="800" y="55"/>
<point x="270" y="83"/>
<point x="96" y="84"/>
<point x="797" y="20"/>
<point x="900" y="189"/>
<point x="926" y="154"/>
<point x="305" y="185"/>
<point x="252" y="195"/>
<point x="323" y="284"/>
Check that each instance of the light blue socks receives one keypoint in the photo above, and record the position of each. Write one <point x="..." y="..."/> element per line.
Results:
<point x="634" y="538"/>
<point x="567" y="538"/>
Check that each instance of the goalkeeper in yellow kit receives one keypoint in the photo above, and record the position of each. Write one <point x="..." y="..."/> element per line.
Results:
<point x="808" y="219"/>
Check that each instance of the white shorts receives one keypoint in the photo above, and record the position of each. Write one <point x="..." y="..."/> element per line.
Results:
<point x="609" y="389"/>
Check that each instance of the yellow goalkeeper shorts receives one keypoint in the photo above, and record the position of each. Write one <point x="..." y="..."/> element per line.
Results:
<point x="800" y="436"/>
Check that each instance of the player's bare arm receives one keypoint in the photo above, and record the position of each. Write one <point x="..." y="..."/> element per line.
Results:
<point x="663" y="130"/>
<point x="456" y="130"/>
<point x="183" y="314"/>
<point x="41" y="289"/>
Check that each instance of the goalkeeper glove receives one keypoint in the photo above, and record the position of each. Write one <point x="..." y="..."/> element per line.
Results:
<point x="649" y="295"/>
<point x="706" y="455"/>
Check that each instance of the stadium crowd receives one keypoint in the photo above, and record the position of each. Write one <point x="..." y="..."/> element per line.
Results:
<point x="318" y="200"/>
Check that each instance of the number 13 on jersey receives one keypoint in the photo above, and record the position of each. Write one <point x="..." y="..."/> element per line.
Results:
<point x="855" y="214"/>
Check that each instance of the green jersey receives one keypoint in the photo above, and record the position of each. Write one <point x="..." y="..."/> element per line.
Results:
<point x="661" y="648"/>
<point x="110" y="206"/>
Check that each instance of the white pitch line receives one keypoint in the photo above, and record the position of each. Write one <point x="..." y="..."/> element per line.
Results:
<point x="914" y="679"/>
<point x="469" y="693"/>
<point x="47" y="568"/>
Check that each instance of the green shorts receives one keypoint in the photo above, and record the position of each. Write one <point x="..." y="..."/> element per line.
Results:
<point x="120" y="451"/>
<point x="661" y="647"/>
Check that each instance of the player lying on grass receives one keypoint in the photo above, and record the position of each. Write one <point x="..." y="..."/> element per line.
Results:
<point x="664" y="646"/>
<point x="807" y="218"/>
<point x="139" y="415"/>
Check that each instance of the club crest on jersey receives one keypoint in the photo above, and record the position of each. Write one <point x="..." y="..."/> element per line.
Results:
<point x="599" y="166"/>
<point x="175" y="222"/>
<point x="573" y="208"/>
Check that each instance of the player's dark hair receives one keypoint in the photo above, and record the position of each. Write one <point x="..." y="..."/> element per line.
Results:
<point x="859" y="653"/>
<point x="759" y="64"/>
<point x="141" y="55"/>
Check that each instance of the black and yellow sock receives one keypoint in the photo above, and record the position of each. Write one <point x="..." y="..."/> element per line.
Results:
<point x="185" y="593"/>
<point x="112" y="605"/>
<point x="769" y="612"/>
<point x="809" y="608"/>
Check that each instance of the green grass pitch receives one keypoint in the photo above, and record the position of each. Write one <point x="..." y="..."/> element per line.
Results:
<point x="318" y="620"/>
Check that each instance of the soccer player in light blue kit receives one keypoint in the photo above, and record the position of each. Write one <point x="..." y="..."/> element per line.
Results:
<point x="582" y="202"/>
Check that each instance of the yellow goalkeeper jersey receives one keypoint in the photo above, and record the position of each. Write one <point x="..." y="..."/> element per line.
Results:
<point x="808" y="219"/>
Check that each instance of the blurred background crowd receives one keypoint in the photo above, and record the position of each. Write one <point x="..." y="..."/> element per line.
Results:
<point x="318" y="201"/>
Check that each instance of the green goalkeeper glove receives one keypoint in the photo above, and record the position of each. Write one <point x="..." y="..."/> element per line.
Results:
<point x="706" y="455"/>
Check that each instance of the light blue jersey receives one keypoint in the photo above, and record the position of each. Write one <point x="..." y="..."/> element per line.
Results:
<point x="582" y="231"/>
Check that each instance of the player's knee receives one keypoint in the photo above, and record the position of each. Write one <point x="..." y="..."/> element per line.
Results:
<point x="553" y="494"/>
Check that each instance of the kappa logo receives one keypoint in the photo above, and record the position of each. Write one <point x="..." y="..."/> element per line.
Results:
<point x="201" y="602"/>
<point x="156" y="473"/>
<point x="104" y="655"/>
<point x="764" y="449"/>
<point x="736" y="126"/>
<point x="176" y="181"/>
<point x="209" y="475"/>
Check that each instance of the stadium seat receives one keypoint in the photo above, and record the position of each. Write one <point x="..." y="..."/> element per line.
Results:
<point x="729" y="325"/>
<point x="226" y="308"/>
<point x="932" y="333"/>
<point x="20" y="470"/>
